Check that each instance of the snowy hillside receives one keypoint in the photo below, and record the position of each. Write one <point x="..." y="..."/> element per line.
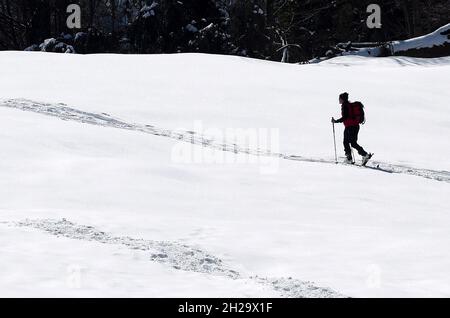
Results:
<point x="95" y="201"/>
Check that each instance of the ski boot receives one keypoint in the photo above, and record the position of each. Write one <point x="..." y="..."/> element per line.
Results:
<point x="349" y="160"/>
<point x="366" y="158"/>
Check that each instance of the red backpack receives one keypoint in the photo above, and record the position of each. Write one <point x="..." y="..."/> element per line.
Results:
<point x="356" y="112"/>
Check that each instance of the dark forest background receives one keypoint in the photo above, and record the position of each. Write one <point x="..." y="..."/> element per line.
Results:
<point x="252" y="28"/>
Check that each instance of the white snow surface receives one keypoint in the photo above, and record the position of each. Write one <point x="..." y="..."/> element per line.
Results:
<point x="92" y="202"/>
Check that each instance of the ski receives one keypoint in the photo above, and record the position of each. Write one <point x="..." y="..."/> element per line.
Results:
<point x="377" y="167"/>
<point x="318" y="160"/>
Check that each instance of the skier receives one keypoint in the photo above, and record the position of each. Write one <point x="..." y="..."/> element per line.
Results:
<point x="352" y="116"/>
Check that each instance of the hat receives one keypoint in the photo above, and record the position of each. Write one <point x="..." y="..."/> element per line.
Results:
<point x="344" y="97"/>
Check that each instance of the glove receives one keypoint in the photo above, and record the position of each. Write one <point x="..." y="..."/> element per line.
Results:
<point x="333" y="120"/>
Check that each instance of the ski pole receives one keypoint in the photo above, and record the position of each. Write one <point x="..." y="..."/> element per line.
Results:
<point x="334" y="138"/>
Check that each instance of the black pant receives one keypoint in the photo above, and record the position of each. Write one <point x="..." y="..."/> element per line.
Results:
<point x="351" y="139"/>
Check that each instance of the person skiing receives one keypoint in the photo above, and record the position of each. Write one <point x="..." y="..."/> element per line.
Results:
<point x="352" y="116"/>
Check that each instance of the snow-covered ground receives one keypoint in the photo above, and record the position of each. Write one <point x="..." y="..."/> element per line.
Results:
<point x="95" y="201"/>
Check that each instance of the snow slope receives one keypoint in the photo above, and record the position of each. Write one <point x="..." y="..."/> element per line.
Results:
<point x="96" y="204"/>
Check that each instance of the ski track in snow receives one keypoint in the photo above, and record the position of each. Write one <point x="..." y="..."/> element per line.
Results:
<point x="64" y="112"/>
<point x="176" y="255"/>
